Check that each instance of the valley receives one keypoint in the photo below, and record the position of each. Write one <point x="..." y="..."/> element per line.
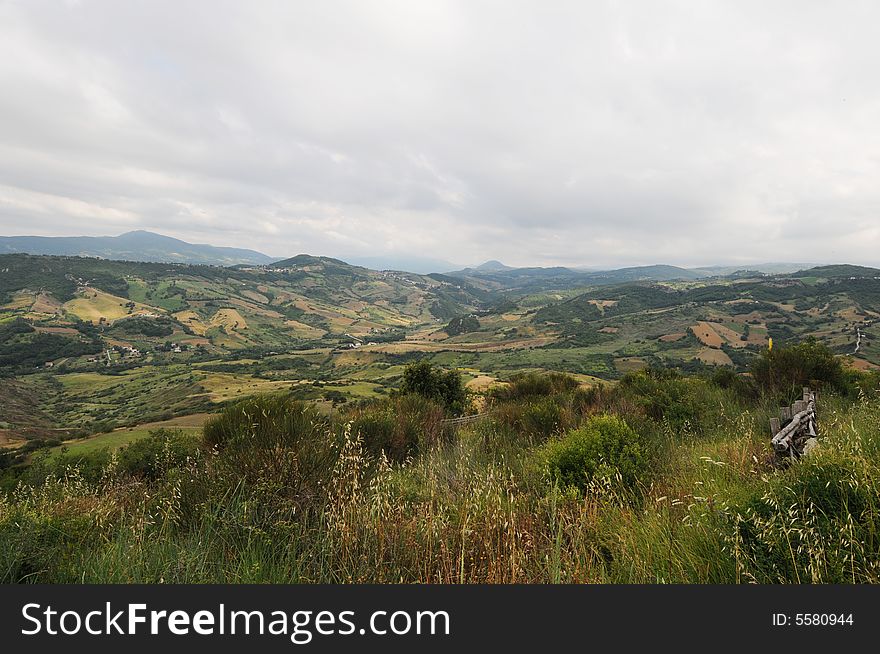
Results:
<point x="89" y="344"/>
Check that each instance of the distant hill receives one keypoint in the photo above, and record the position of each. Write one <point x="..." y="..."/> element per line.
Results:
<point x="298" y="299"/>
<point x="656" y="273"/>
<point x="839" y="270"/>
<point x="181" y="338"/>
<point x="413" y="264"/>
<point x="133" y="246"/>
<point x="765" y="268"/>
<point x="492" y="266"/>
<point x="494" y="275"/>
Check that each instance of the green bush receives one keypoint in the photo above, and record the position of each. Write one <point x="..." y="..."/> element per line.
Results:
<point x="535" y="419"/>
<point x="532" y="384"/>
<point x="44" y="530"/>
<point x="400" y="426"/>
<point x="685" y="403"/>
<point x="605" y="447"/>
<point x="817" y="522"/>
<point x="786" y="370"/>
<point x="543" y="417"/>
<point x="276" y="440"/>
<point x="160" y="451"/>
<point x="90" y="466"/>
<point x="742" y="386"/>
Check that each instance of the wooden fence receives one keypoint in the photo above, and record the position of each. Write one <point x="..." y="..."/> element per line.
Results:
<point x="795" y="431"/>
<point x="465" y="420"/>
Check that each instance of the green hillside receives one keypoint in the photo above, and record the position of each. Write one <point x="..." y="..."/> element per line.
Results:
<point x="122" y="343"/>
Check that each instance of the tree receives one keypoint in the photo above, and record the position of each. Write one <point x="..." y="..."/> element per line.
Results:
<point x="443" y="386"/>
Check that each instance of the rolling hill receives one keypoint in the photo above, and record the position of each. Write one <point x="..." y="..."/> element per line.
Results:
<point x="130" y="342"/>
<point x="496" y="276"/>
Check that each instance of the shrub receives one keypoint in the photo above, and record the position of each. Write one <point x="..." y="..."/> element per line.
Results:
<point x="815" y="523"/>
<point x="682" y="402"/>
<point x="543" y="417"/>
<point x="89" y="466"/>
<point x="529" y="385"/>
<point x="605" y="447"/>
<point x="400" y="426"/>
<point x="742" y="387"/>
<point x="786" y="370"/>
<point x="538" y="418"/>
<point x="276" y="440"/>
<point x="160" y="451"/>
<point x="44" y="530"/>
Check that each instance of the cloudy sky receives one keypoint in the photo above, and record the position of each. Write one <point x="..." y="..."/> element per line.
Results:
<point x="586" y="133"/>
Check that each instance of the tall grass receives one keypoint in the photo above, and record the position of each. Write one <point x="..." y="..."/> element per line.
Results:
<point x="479" y="507"/>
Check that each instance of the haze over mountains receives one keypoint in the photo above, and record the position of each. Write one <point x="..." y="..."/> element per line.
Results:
<point x="148" y="246"/>
<point x="133" y="246"/>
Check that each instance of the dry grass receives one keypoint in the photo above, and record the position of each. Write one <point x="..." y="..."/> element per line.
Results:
<point x="714" y="357"/>
<point x="707" y="335"/>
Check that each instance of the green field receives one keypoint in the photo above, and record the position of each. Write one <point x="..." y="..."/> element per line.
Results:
<point x="116" y="439"/>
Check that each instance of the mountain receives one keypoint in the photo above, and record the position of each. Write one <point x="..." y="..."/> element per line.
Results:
<point x="656" y="273"/>
<point x="495" y="276"/>
<point x="299" y="300"/>
<point x="419" y="265"/>
<point x="492" y="266"/>
<point x="133" y="246"/>
<point x="764" y="268"/>
<point x="839" y="270"/>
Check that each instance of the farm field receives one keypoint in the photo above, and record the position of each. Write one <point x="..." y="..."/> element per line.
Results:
<point x="147" y="342"/>
<point x="113" y="440"/>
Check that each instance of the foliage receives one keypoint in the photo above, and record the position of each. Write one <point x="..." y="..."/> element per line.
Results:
<point x="742" y="386"/>
<point x="785" y="370"/>
<point x="147" y="326"/>
<point x="442" y="386"/>
<point x="686" y="404"/>
<point x="399" y="427"/>
<point x="535" y="418"/>
<point x="817" y="522"/>
<point x="462" y="325"/>
<point x="275" y="440"/>
<point x="478" y="509"/>
<point x="20" y="346"/>
<point x="605" y="448"/>
<point x="531" y="384"/>
<point x="162" y="450"/>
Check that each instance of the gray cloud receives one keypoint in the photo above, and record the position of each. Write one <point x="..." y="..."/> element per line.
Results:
<point x="574" y="133"/>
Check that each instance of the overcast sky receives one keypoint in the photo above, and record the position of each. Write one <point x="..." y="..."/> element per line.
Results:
<point x="584" y="133"/>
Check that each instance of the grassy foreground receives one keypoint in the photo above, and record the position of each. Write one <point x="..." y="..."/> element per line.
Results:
<point x="663" y="479"/>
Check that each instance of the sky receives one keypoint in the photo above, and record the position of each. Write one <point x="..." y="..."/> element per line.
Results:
<point x="601" y="133"/>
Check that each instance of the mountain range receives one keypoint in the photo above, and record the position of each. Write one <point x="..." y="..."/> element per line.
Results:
<point x="133" y="246"/>
<point x="144" y="246"/>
